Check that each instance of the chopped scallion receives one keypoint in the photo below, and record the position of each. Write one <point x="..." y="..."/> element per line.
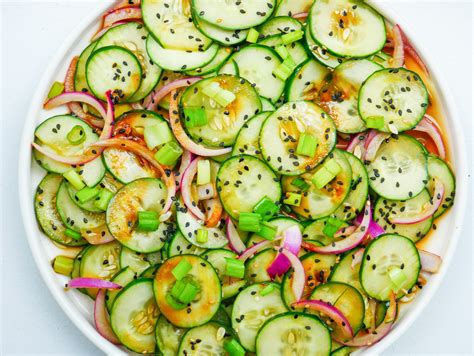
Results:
<point x="87" y="193"/>
<point x="292" y="37"/>
<point x="56" y="89"/>
<point x="74" y="178"/>
<point x="301" y="184"/>
<point x="266" y="208"/>
<point x="307" y="145"/>
<point x="375" y="122"/>
<point x="148" y="221"/>
<point x="203" y="172"/>
<point x="331" y="226"/>
<point x="234" y="348"/>
<point x="267" y="290"/>
<point x="76" y="135"/>
<point x="202" y="236"/>
<point x="249" y="222"/>
<point x="292" y="199"/>
<point x="267" y="231"/>
<point x="181" y="269"/>
<point x="169" y="154"/>
<point x="252" y="36"/>
<point x="234" y="268"/>
<point x="157" y="134"/>
<point x="102" y="200"/>
<point x="195" y="116"/>
<point x="72" y="234"/>
<point x="63" y="265"/>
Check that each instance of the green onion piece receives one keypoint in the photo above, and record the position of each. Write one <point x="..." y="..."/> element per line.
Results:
<point x="173" y="303"/>
<point x="267" y="290"/>
<point x="292" y="199"/>
<point x="224" y="97"/>
<point x="282" y="72"/>
<point x="76" y="135"/>
<point x="249" y="222"/>
<point x="301" y="184"/>
<point x="266" y="208"/>
<point x="289" y="63"/>
<point x="234" y="268"/>
<point x="195" y="116"/>
<point x="332" y="166"/>
<point x="181" y="269"/>
<point x="375" y="122"/>
<point x="102" y="200"/>
<point x="267" y="231"/>
<point x="86" y="194"/>
<point x="234" y="348"/>
<point x="56" y="89"/>
<point x="169" y="154"/>
<point x="282" y="51"/>
<point x="202" y="236"/>
<point x="188" y="293"/>
<point x="148" y="221"/>
<point x="331" y="226"/>
<point x="203" y="172"/>
<point x="63" y="265"/>
<point x="178" y="287"/>
<point x="307" y="145"/>
<point x="252" y="35"/>
<point x="74" y="178"/>
<point x="292" y="37"/>
<point x="322" y="177"/>
<point x="158" y="134"/>
<point x="397" y="277"/>
<point x="211" y="90"/>
<point x="72" y="234"/>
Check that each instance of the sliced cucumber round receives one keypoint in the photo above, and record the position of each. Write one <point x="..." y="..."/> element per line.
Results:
<point x="281" y="131"/>
<point x="319" y="53"/>
<point x="213" y="66"/>
<point x="292" y="7"/>
<point x="137" y="261"/>
<point x="306" y="81"/>
<point x="256" y="267"/>
<point x="125" y="166"/>
<point x="218" y="34"/>
<point x="147" y="194"/>
<point x="240" y="181"/>
<point x="206" y="303"/>
<point x="267" y="104"/>
<point x="179" y="245"/>
<point x="440" y="170"/>
<point x="279" y="25"/>
<point x="314" y="232"/>
<point x="391" y="263"/>
<point x="281" y="223"/>
<point x="293" y="334"/>
<point x="80" y="81"/>
<point x="123" y="277"/>
<point x="88" y="205"/>
<point x="295" y="49"/>
<point x="206" y="339"/>
<point x="247" y="138"/>
<point x="168" y="337"/>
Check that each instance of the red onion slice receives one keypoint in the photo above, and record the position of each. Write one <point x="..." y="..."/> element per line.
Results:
<point x="235" y="242"/>
<point x="357" y="257"/>
<point x="330" y="311"/>
<point x="186" y="160"/>
<point x="206" y="191"/>
<point x="299" y="276"/>
<point x="429" y="261"/>
<point x="428" y="125"/>
<point x="345" y="231"/>
<point x="374" y="228"/>
<point x="398" y="58"/>
<point x="300" y="15"/>
<point x="357" y="145"/>
<point x="76" y="96"/>
<point x="186" y="183"/>
<point x="348" y="243"/>
<point x="101" y="319"/>
<point x="373" y="145"/>
<point x="83" y="282"/>
<point x="412" y="51"/>
<point x="128" y="13"/>
<point x="436" y="201"/>
<point x="183" y="138"/>
<point x="255" y="248"/>
<point x="292" y="240"/>
<point x="168" y="88"/>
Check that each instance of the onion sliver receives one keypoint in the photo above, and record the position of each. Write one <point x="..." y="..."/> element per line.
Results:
<point x="101" y="319"/>
<point x="398" y="58"/>
<point x="429" y="261"/>
<point x="427" y="125"/>
<point x="299" y="276"/>
<point x="235" y="242"/>
<point x="128" y="13"/>
<point x="185" y="185"/>
<point x="292" y="240"/>
<point x="157" y="96"/>
<point x="83" y="282"/>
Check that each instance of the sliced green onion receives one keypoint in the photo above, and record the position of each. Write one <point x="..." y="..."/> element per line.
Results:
<point x="397" y="277"/>
<point x="331" y="226"/>
<point x="211" y="90"/>
<point x="63" y="265"/>
<point x="188" y="293"/>
<point x="332" y="166"/>
<point x="289" y="63"/>
<point x="266" y="208"/>
<point x="56" y="89"/>
<point x="234" y="348"/>
<point x="87" y="193"/>
<point x="178" y="287"/>
<point x="72" y="234"/>
<point x="173" y="303"/>
<point x="181" y="269"/>
<point x="157" y="134"/>
<point x="202" y="236"/>
<point x="267" y="231"/>
<point x="292" y="199"/>
<point x="148" y="221"/>
<point x="224" y="97"/>
<point x="252" y="35"/>
<point x="74" y="178"/>
<point x="76" y="135"/>
<point x="102" y="200"/>
<point x="282" y="51"/>
<point x="267" y="290"/>
<point x="282" y="72"/>
<point x="328" y="171"/>
<point x="203" y="172"/>
<point x="292" y="37"/>
<point x="234" y="268"/>
<point x="375" y="122"/>
<point x="195" y="116"/>
<point x="249" y="222"/>
<point x="301" y="184"/>
<point x="307" y="145"/>
<point x="169" y="154"/>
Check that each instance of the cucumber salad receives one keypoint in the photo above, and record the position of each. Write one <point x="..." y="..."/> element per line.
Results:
<point x="248" y="177"/>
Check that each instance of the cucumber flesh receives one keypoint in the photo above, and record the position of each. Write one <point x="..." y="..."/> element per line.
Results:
<point x="168" y="337"/>
<point x="212" y="337"/>
<point x="440" y="170"/>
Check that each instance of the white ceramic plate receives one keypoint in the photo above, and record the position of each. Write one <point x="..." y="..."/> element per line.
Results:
<point x="79" y="308"/>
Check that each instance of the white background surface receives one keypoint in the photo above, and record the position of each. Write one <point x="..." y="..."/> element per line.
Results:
<point x="32" y="323"/>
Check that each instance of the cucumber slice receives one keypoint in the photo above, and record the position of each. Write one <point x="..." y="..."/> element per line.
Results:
<point x="132" y="36"/>
<point x="150" y="272"/>
<point x="147" y="194"/>
<point x="386" y="209"/>
<point x="280" y="223"/>
<point x="321" y="54"/>
<point x="293" y="334"/>
<point x="279" y="25"/>
<point x="125" y="276"/>
<point x="74" y="217"/>
<point x="170" y="23"/>
<point x="230" y="285"/>
<point x="340" y="97"/>
<point x="347" y="28"/>
<point x="206" y="303"/>
<point x="256" y="63"/>
<point x="224" y="123"/>
<point x="218" y="34"/>
<point x="247" y="138"/>
<point x="292" y="7"/>
<point x="168" y="337"/>
<point x="251" y="310"/>
<point x="387" y="253"/>
<point x="46" y="213"/>
<point x="314" y="232"/>
<point x="88" y="206"/>
<point x="211" y="336"/>
<point x="213" y="66"/>
<point x="125" y="166"/>
<point x="318" y="203"/>
<point x="92" y="172"/>
<point x="256" y="267"/>
<point x="234" y="16"/>
<point x="179" y="245"/>
<point x="281" y="131"/>
<point x="49" y="164"/>
<point x="267" y="104"/>
<point x="242" y="181"/>
<point x="167" y="78"/>
<point x="134" y="316"/>
<point x="113" y="68"/>
<point x="306" y="81"/>
<point x="398" y="95"/>
<point x="345" y="298"/>
<point x="110" y="183"/>
<point x="355" y="201"/>
<point x="138" y="262"/>
<point x="399" y="170"/>
<point x="295" y="49"/>
<point x="80" y="81"/>
<point x="100" y="261"/>
<point x="230" y="67"/>
<point x="440" y="170"/>
<point x="179" y="60"/>
<point x="76" y="267"/>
